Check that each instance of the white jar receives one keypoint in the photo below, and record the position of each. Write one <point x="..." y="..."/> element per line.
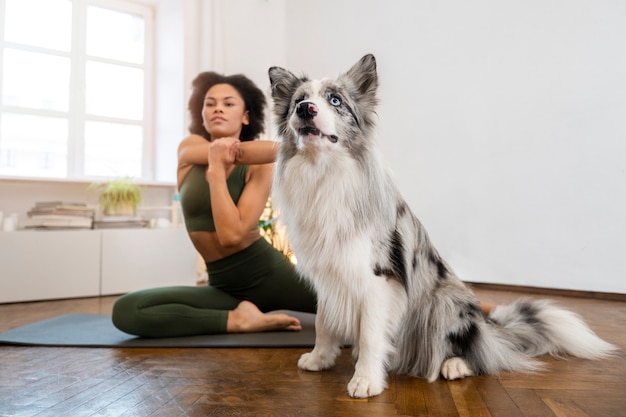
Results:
<point x="10" y="223"/>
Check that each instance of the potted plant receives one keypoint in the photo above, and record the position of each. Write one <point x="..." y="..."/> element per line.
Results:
<point x="119" y="197"/>
<point x="273" y="233"/>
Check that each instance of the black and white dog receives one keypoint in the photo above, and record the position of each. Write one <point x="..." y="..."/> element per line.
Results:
<point x="381" y="284"/>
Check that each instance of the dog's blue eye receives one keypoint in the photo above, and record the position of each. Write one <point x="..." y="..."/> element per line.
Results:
<point x="335" y="101"/>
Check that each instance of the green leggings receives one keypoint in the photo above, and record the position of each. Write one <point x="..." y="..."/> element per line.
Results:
<point x="259" y="274"/>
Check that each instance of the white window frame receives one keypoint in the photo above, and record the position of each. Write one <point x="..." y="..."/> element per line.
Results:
<point x="77" y="115"/>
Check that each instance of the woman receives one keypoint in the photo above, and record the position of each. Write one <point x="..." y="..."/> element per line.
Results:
<point x="222" y="203"/>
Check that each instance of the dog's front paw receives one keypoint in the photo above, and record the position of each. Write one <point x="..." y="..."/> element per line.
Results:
<point x="314" y="362"/>
<point x="455" y="368"/>
<point x="363" y="387"/>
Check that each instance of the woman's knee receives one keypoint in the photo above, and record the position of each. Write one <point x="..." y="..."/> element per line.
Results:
<point x="125" y="314"/>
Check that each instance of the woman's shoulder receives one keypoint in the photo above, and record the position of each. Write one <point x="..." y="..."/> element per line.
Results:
<point x="193" y="139"/>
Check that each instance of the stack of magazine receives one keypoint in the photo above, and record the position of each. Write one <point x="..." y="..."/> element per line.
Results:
<point x="60" y="215"/>
<point x="121" y="222"/>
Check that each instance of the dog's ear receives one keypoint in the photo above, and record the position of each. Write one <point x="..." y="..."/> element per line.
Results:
<point x="283" y="83"/>
<point x="363" y="76"/>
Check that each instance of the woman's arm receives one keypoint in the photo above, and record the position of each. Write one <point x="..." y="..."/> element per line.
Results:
<point x="257" y="152"/>
<point x="194" y="150"/>
<point x="234" y="222"/>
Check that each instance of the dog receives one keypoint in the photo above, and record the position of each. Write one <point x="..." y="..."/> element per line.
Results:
<point x="381" y="284"/>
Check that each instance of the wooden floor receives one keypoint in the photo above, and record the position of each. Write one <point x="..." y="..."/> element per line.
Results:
<point x="266" y="382"/>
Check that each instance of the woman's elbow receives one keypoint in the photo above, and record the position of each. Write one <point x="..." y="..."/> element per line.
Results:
<point x="230" y="239"/>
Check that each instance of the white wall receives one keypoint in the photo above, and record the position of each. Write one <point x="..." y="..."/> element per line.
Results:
<point x="170" y="89"/>
<point x="505" y="122"/>
<point x="248" y="37"/>
<point x="19" y="195"/>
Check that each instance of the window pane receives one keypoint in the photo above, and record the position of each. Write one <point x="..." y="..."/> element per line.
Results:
<point x="43" y="23"/>
<point x="31" y="152"/>
<point x="34" y="80"/>
<point x="114" y="91"/>
<point x="113" y="149"/>
<point x="115" y="35"/>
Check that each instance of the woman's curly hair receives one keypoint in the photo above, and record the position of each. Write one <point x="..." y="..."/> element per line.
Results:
<point x="253" y="98"/>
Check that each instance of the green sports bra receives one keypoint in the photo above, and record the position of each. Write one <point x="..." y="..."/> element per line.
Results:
<point x="195" y="196"/>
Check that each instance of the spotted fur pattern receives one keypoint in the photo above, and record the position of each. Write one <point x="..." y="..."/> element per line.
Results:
<point x="381" y="284"/>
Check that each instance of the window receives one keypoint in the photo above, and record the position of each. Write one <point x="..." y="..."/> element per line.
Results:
<point x="75" y="78"/>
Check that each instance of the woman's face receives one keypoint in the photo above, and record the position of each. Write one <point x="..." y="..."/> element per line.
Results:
<point x="224" y="111"/>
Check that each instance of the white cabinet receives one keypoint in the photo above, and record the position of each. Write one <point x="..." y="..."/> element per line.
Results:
<point x="38" y="265"/>
<point x="136" y="259"/>
<point x="41" y="265"/>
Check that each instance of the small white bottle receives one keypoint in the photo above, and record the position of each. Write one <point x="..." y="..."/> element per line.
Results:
<point x="10" y="223"/>
<point x="176" y="211"/>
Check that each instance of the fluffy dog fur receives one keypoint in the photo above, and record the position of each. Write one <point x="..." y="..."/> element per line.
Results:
<point x="381" y="284"/>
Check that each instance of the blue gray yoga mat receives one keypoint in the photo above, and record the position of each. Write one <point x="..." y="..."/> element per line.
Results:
<point x="92" y="330"/>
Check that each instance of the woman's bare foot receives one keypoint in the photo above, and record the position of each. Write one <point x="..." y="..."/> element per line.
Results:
<point x="247" y="318"/>
<point x="487" y="308"/>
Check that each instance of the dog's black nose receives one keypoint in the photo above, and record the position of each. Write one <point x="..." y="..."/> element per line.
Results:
<point x="306" y="110"/>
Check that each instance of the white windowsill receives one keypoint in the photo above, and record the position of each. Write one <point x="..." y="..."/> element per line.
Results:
<point x="87" y="181"/>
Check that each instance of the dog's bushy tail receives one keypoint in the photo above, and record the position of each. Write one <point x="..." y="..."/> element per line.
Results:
<point x="513" y="335"/>
<point x="508" y="340"/>
<point x="539" y="327"/>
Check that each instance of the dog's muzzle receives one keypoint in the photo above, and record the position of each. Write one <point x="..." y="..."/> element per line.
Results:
<point x="306" y="111"/>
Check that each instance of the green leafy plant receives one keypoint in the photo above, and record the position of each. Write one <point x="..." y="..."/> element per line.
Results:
<point x="118" y="197"/>
<point x="273" y="233"/>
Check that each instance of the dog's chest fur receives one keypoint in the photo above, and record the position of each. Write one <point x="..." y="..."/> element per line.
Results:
<point x="325" y="211"/>
<point x="332" y="210"/>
